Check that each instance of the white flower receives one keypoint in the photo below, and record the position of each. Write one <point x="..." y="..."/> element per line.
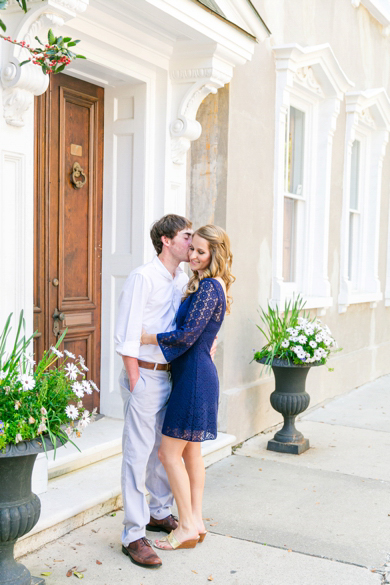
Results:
<point x="43" y="410"/>
<point x="327" y="341"/>
<point x="319" y="337"/>
<point x="55" y="350"/>
<point x="78" y="389"/>
<point x="17" y="405"/>
<point x="71" y="371"/>
<point x="85" y="414"/>
<point x="27" y="382"/>
<point x="82" y="360"/>
<point x="18" y="438"/>
<point x="3" y="375"/>
<point x="309" y="330"/>
<point x="302" y="320"/>
<point x="84" y="367"/>
<point x="302" y="339"/>
<point x="69" y="354"/>
<point x="42" y="427"/>
<point x="294" y="338"/>
<point x="71" y="412"/>
<point x="69" y="431"/>
<point x="284" y="343"/>
<point x="291" y="331"/>
<point x="86" y="386"/>
<point x="94" y="386"/>
<point x="313" y="344"/>
<point x="29" y="359"/>
<point x="31" y="420"/>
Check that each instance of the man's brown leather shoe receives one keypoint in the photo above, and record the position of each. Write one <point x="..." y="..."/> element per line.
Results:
<point x="142" y="554"/>
<point x="166" y="524"/>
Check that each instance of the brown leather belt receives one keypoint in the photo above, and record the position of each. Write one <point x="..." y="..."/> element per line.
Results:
<point x="151" y="366"/>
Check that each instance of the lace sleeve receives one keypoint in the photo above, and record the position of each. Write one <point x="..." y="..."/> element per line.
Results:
<point x="203" y="305"/>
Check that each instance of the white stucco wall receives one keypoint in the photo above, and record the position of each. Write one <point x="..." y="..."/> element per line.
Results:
<point x="363" y="332"/>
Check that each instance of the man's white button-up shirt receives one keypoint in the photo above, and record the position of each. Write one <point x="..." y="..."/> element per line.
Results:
<point x="149" y="300"/>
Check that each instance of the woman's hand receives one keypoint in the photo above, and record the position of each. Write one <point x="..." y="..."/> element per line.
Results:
<point x="148" y="338"/>
<point x="144" y="337"/>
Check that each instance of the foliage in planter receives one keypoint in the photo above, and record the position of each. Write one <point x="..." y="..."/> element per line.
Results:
<point x="45" y="399"/>
<point x="297" y="339"/>
<point x="53" y="56"/>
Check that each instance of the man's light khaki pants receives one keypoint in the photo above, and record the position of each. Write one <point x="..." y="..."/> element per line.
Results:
<point x="144" y="412"/>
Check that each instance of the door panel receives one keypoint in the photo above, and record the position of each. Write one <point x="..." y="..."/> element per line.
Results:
<point x="69" y="123"/>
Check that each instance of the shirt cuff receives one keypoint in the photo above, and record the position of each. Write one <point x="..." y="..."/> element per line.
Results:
<point x="129" y="348"/>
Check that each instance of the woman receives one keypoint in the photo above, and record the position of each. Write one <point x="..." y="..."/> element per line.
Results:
<point x="191" y="415"/>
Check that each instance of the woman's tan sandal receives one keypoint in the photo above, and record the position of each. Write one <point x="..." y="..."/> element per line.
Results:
<point x="202" y="536"/>
<point x="175" y="544"/>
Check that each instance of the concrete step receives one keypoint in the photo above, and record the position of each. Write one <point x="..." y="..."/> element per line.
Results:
<point x="100" y="440"/>
<point x="91" y="491"/>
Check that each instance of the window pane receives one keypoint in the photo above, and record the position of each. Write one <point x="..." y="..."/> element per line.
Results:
<point x="355" y="168"/>
<point x="353" y="251"/>
<point x="288" y="240"/>
<point x="296" y="139"/>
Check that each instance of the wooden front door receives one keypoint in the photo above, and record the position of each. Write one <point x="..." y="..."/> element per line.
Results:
<point x="68" y="220"/>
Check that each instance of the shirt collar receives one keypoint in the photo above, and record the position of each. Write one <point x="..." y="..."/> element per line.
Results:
<point x="159" y="266"/>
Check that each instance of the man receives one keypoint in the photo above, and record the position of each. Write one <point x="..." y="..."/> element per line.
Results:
<point x="150" y="299"/>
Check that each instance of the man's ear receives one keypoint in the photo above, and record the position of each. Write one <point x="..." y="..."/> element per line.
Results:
<point x="166" y="241"/>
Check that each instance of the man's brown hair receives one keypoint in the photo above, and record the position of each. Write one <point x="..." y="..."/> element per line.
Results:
<point x="169" y="225"/>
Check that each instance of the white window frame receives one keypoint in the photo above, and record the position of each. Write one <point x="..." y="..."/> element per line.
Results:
<point x="368" y="120"/>
<point x="311" y="79"/>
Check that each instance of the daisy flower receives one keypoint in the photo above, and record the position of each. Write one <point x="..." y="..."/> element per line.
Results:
<point x="78" y="389"/>
<point x="71" y="371"/>
<point x="95" y="387"/>
<point x="71" y="412"/>
<point x="55" y="350"/>
<point x="27" y="382"/>
<point x="69" y="354"/>
<point x="18" y="438"/>
<point x="86" y="386"/>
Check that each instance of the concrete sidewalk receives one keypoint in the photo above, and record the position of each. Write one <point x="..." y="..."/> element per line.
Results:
<point x="321" y="518"/>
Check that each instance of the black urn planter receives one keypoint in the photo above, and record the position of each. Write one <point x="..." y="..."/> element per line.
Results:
<point x="290" y="399"/>
<point x="19" y="507"/>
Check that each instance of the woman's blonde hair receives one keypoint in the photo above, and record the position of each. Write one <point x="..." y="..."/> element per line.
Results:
<point x="220" y="263"/>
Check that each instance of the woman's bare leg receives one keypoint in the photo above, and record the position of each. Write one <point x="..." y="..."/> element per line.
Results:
<point x="193" y="460"/>
<point x="170" y="454"/>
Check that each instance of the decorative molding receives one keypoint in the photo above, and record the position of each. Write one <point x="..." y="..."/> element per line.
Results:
<point x="311" y="79"/>
<point x="29" y="79"/>
<point x="185" y="128"/>
<point x="16" y="102"/>
<point x="306" y="77"/>
<point x="366" y="118"/>
<point x="380" y="10"/>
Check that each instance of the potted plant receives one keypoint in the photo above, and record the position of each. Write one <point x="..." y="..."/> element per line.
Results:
<point x="40" y="409"/>
<point x="294" y="344"/>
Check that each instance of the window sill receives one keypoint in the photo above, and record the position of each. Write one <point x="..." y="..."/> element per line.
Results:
<point x="356" y="298"/>
<point x="319" y="303"/>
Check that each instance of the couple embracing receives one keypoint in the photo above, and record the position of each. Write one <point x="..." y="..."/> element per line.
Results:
<point x="165" y="333"/>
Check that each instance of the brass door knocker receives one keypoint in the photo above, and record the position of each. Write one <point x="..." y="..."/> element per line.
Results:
<point x="77" y="172"/>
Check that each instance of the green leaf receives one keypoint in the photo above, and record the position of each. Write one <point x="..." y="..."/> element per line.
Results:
<point x="2" y="25"/>
<point x="80" y="57"/>
<point x="78" y="575"/>
<point x="51" y="38"/>
<point x="72" y="44"/>
<point x="24" y="62"/>
<point x="40" y="42"/>
<point x="67" y="39"/>
<point x="46" y="574"/>
<point x="60" y="68"/>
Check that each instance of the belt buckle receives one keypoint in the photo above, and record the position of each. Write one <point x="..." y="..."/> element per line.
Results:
<point x="155" y="366"/>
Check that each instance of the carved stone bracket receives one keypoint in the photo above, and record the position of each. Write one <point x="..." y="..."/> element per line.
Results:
<point x="22" y="83"/>
<point x="305" y="76"/>
<point x="193" y="86"/>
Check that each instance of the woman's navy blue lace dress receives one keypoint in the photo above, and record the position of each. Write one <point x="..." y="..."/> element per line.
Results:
<point x="193" y="406"/>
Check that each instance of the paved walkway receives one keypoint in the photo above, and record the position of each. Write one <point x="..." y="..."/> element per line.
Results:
<point x="321" y="518"/>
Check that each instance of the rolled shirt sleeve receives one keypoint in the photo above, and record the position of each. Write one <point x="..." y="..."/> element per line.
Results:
<point x="132" y="303"/>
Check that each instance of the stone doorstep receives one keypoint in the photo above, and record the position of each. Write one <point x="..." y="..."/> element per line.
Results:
<point x="91" y="491"/>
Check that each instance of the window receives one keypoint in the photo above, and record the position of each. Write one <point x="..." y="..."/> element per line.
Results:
<point x="354" y="216"/>
<point x="293" y="198"/>
<point x="309" y="89"/>
<point x="368" y="124"/>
